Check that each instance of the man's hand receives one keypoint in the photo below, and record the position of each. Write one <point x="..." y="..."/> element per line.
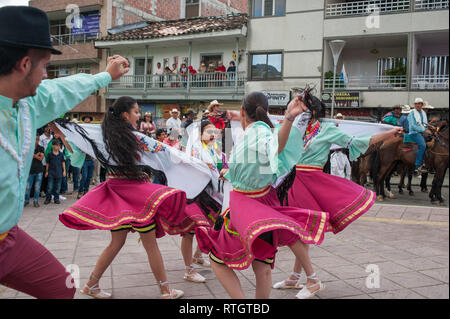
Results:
<point x="117" y="66"/>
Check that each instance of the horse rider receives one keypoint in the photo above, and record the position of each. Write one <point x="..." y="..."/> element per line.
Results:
<point x="406" y="109"/>
<point x="393" y="117"/>
<point x="418" y="124"/>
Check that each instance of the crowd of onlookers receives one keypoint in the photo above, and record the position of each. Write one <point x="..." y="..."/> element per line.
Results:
<point x="204" y="76"/>
<point x="55" y="164"/>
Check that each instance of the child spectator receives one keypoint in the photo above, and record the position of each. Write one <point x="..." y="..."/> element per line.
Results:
<point x="55" y="171"/>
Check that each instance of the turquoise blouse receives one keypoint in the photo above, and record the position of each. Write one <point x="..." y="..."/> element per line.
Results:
<point x="18" y="124"/>
<point x="316" y="153"/>
<point x="255" y="162"/>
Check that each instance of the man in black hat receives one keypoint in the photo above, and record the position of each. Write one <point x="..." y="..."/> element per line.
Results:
<point x="27" y="103"/>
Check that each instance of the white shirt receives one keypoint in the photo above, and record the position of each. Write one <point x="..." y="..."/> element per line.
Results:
<point x="173" y="124"/>
<point x="340" y="166"/>
<point x="159" y="71"/>
<point x="43" y="141"/>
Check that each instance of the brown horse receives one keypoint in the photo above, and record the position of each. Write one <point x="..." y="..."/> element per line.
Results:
<point x="437" y="158"/>
<point x="386" y="157"/>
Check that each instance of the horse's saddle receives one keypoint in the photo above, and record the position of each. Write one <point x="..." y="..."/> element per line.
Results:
<point x="408" y="146"/>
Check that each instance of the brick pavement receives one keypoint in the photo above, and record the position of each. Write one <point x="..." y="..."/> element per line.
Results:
<point x="410" y="245"/>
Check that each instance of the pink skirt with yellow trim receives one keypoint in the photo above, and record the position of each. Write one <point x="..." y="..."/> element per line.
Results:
<point x="200" y="217"/>
<point x="252" y="216"/>
<point x="117" y="202"/>
<point x="342" y="199"/>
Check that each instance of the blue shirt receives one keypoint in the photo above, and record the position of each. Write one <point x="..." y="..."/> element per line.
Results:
<point x="18" y="124"/>
<point x="404" y="123"/>
<point x="55" y="167"/>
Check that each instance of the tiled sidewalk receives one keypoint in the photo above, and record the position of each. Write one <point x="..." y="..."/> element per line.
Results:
<point x="410" y="245"/>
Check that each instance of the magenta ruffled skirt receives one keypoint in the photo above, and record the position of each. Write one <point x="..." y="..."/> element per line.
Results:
<point x="251" y="216"/>
<point x="344" y="200"/>
<point x="200" y="217"/>
<point x="119" y="201"/>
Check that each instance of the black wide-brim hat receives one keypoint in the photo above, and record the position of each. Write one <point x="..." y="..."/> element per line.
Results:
<point x="25" y="27"/>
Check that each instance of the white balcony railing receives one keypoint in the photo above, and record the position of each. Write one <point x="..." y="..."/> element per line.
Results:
<point x="431" y="4"/>
<point x="181" y="82"/>
<point x="430" y="82"/>
<point x="366" y="7"/>
<point x="74" y="38"/>
<point x="368" y="83"/>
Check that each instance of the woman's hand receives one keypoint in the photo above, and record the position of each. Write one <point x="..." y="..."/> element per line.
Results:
<point x="56" y="131"/>
<point x="222" y="174"/>
<point x="396" y="131"/>
<point x="296" y="107"/>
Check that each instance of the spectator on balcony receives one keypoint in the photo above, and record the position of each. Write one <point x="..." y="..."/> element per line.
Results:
<point x="232" y="70"/>
<point x="160" y="72"/>
<point x="175" y="78"/>
<point x="211" y="76"/>
<point x="168" y="76"/>
<point x="147" y="126"/>
<point x="202" y="77"/>
<point x="193" y="74"/>
<point x="219" y="70"/>
<point x="174" y="123"/>
<point x="183" y="73"/>
<point x="393" y="117"/>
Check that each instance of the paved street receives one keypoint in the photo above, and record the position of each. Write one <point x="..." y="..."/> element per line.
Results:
<point x="409" y="244"/>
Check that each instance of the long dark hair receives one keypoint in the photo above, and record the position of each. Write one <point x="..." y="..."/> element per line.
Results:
<point x="317" y="108"/>
<point x="120" y="141"/>
<point x="256" y="107"/>
<point x="314" y="104"/>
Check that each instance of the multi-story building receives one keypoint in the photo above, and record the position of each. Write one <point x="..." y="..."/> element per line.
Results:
<point x="394" y="51"/>
<point x="75" y="37"/>
<point x="171" y="44"/>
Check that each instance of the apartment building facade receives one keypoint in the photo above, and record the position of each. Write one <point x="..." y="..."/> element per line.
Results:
<point x="77" y="24"/>
<point x="394" y="52"/>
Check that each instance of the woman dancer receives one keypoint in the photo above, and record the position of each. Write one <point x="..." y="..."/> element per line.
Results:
<point x="127" y="200"/>
<point x="255" y="224"/>
<point x="342" y="199"/>
<point x="204" y="208"/>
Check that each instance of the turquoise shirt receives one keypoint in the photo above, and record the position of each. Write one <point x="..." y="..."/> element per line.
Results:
<point x="316" y="153"/>
<point x="18" y="126"/>
<point x="255" y="162"/>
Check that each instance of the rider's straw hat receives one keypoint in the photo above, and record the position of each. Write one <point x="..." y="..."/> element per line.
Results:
<point x="406" y="109"/>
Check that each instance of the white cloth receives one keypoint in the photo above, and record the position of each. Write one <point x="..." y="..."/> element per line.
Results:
<point x="340" y="165"/>
<point x="180" y="169"/>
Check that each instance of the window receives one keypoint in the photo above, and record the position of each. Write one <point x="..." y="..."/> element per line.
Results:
<point x="267" y="8"/>
<point x="62" y="70"/>
<point x="192" y="8"/>
<point x="211" y="59"/>
<point x="266" y="66"/>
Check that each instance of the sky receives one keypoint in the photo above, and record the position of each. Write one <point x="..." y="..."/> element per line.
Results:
<point x="13" y="3"/>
